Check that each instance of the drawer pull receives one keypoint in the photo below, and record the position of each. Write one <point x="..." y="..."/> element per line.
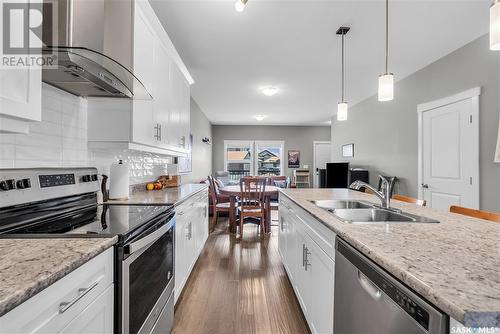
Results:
<point x="64" y="306"/>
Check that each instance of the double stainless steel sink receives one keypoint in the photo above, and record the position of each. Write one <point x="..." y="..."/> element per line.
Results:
<point x="362" y="212"/>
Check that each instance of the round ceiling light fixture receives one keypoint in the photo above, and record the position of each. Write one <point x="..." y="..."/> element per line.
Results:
<point x="240" y="5"/>
<point x="260" y="118"/>
<point x="269" y="90"/>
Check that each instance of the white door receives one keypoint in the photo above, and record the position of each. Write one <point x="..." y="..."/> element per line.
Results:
<point x="450" y="154"/>
<point x="321" y="152"/>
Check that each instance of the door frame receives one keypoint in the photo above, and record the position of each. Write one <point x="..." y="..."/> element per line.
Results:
<point x="314" y="156"/>
<point x="472" y="94"/>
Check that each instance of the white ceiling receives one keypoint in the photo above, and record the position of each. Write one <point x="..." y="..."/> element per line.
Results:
<point x="292" y="45"/>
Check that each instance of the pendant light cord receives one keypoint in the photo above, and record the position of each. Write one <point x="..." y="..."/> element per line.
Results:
<point x="386" y="36"/>
<point x="343" y="77"/>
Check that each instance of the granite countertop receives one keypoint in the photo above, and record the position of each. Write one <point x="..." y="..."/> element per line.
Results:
<point x="27" y="266"/>
<point x="454" y="264"/>
<point x="173" y="196"/>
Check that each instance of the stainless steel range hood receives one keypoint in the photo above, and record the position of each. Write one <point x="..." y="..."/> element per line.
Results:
<point x="73" y="32"/>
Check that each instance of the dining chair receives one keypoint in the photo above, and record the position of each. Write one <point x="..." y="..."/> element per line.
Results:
<point x="217" y="205"/>
<point x="252" y="202"/>
<point x="279" y="182"/>
<point x="369" y="191"/>
<point x="494" y="217"/>
<point x="419" y="202"/>
<point x="220" y="197"/>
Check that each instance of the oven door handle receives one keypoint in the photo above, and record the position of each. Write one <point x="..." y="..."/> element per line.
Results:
<point x="150" y="238"/>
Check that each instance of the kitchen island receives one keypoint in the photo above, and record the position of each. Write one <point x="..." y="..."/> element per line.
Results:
<point x="28" y="266"/>
<point x="454" y="265"/>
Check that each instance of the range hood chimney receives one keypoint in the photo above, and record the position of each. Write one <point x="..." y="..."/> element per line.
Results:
<point x="73" y="32"/>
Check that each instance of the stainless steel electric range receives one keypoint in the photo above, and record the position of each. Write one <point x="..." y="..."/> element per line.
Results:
<point x="40" y="203"/>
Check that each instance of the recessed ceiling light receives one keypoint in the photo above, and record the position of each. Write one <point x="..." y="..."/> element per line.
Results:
<point x="260" y="118"/>
<point x="269" y="91"/>
<point x="240" y="5"/>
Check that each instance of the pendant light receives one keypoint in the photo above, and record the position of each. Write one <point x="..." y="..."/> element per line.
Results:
<point x="386" y="81"/>
<point x="342" y="107"/>
<point x="240" y="5"/>
<point x="495" y="26"/>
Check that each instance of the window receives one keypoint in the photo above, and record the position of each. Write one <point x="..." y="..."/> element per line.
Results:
<point x="246" y="157"/>
<point x="238" y="159"/>
<point x="269" y="159"/>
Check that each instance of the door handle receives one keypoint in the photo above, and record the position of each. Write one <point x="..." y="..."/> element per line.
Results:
<point x="369" y="287"/>
<point x="425" y="186"/>
<point x="64" y="306"/>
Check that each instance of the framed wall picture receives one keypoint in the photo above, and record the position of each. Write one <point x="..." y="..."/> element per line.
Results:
<point x="293" y="159"/>
<point x="348" y="151"/>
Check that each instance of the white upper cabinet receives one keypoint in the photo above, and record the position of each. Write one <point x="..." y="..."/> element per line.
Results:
<point x="159" y="125"/>
<point x="20" y="88"/>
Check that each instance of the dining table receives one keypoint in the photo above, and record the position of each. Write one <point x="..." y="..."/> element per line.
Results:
<point x="234" y="191"/>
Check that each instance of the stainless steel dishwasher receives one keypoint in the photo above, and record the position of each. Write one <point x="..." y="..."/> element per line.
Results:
<point x="368" y="300"/>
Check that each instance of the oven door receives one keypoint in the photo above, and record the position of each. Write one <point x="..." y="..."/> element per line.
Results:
<point x="148" y="281"/>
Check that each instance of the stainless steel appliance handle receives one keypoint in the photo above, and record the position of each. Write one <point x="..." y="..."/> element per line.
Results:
<point x="149" y="239"/>
<point x="369" y="287"/>
<point x="64" y="306"/>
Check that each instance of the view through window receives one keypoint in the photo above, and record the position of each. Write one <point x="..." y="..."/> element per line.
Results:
<point x="244" y="158"/>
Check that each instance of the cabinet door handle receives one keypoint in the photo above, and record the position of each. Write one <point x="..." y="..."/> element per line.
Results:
<point x="303" y="255"/>
<point x="306" y="262"/>
<point x="64" y="306"/>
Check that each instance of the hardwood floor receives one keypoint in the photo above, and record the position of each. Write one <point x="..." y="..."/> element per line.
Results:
<point x="239" y="287"/>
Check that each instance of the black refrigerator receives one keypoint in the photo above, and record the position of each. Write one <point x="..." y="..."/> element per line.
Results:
<point x="337" y="175"/>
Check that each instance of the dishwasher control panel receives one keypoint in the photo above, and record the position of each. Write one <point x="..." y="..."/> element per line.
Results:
<point x="405" y="302"/>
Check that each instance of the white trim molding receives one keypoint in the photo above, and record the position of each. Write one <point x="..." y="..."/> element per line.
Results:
<point x="472" y="94"/>
<point x="314" y="156"/>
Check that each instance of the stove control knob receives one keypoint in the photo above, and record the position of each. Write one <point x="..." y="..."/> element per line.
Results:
<point x="23" y="184"/>
<point x="94" y="177"/>
<point x="86" y="178"/>
<point x="7" y="185"/>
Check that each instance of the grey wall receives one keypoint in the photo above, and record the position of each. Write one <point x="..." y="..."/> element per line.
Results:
<point x="385" y="134"/>
<point x="295" y="137"/>
<point x="202" y="153"/>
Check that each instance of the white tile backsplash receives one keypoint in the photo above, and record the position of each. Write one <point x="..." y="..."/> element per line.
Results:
<point x="60" y="140"/>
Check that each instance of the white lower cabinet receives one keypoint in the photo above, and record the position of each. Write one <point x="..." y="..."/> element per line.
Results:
<point x="80" y="302"/>
<point x="191" y="233"/>
<point x="96" y="318"/>
<point x="310" y="269"/>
